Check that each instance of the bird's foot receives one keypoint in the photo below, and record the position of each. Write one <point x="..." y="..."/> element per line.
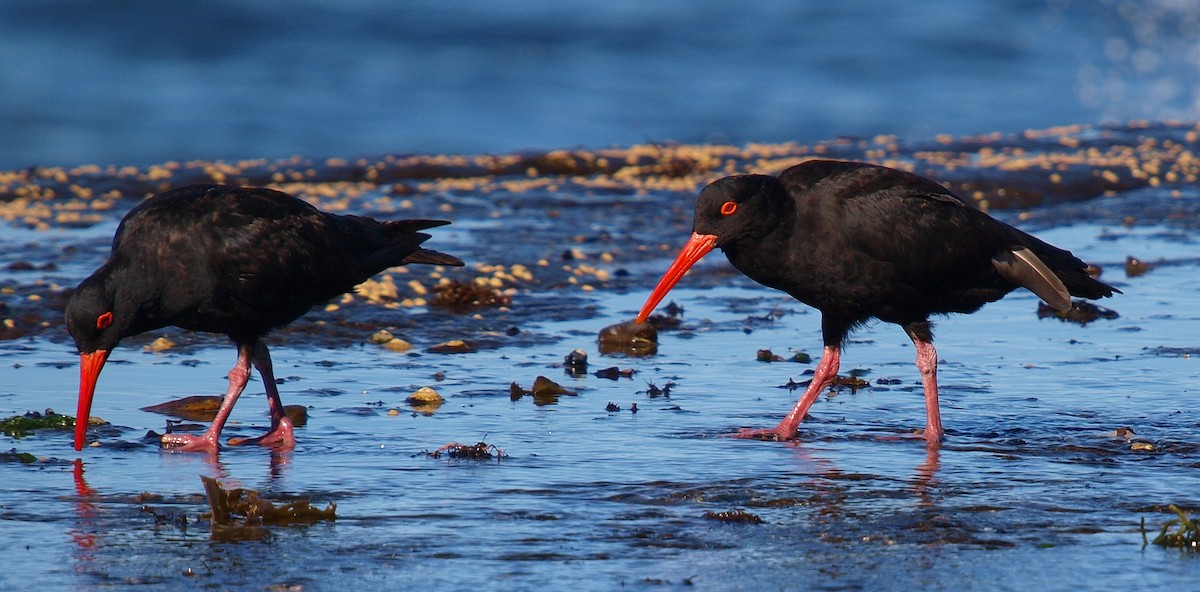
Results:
<point x="188" y="443"/>
<point x="932" y="436"/>
<point x="280" y="436"/>
<point x="775" y="434"/>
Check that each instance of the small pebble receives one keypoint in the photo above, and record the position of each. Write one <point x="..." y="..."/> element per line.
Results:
<point x="382" y="336"/>
<point x="424" y="396"/>
<point x="159" y="345"/>
<point x="397" y="345"/>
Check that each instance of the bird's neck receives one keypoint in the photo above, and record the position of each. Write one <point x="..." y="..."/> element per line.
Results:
<point x="761" y="259"/>
<point x="134" y="306"/>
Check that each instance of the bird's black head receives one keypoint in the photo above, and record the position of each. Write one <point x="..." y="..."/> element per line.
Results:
<point x="97" y="325"/>
<point x="91" y="318"/>
<point x="740" y="207"/>
<point x="728" y="211"/>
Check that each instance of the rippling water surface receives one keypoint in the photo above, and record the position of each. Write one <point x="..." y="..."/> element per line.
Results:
<point x="1031" y="478"/>
<point x="1034" y="488"/>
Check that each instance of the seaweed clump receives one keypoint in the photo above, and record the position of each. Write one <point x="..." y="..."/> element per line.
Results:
<point x="17" y="457"/>
<point x="1187" y="536"/>
<point x="463" y="296"/>
<point x="19" y="426"/>
<point x="1081" y="312"/>
<point x="735" y="515"/>
<point x="478" y="451"/>
<point x="245" y="507"/>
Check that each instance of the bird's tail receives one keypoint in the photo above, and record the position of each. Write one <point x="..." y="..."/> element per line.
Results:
<point x="431" y="257"/>
<point x="406" y="238"/>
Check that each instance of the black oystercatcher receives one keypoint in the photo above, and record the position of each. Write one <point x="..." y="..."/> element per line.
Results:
<point x="859" y="241"/>
<point x="239" y="261"/>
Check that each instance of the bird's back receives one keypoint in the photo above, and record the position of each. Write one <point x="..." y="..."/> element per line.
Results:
<point x="244" y="260"/>
<point x="877" y="242"/>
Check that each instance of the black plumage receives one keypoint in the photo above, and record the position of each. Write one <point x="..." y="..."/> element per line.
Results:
<point x="859" y="242"/>
<point x="232" y="260"/>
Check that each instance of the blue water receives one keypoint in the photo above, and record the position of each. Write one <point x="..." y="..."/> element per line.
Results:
<point x="144" y="81"/>
<point x="1031" y="478"/>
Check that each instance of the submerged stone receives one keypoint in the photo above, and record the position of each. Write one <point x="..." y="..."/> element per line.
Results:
<point x="247" y="507"/>
<point x="629" y="338"/>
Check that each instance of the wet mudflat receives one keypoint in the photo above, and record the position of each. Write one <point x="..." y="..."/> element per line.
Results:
<point x="1038" y="472"/>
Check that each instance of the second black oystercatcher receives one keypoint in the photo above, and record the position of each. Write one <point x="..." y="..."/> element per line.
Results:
<point x="233" y="260"/>
<point x="858" y="242"/>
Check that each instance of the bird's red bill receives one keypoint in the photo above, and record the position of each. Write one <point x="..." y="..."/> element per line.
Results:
<point x="90" y="365"/>
<point x="695" y="249"/>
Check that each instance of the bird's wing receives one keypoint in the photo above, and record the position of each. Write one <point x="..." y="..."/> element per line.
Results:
<point x="1023" y="268"/>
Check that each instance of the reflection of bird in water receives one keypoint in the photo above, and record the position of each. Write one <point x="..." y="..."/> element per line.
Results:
<point x="83" y="532"/>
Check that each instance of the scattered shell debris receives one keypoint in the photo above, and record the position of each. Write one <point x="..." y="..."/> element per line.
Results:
<point x="1072" y="162"/>
<point x="995" y="171"/>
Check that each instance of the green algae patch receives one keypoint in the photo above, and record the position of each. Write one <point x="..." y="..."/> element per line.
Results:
<point x="12" y="456"/>
<point x="244" y="507"/>
<point x="19" y="426"/>
<point x="1181" y="532"/>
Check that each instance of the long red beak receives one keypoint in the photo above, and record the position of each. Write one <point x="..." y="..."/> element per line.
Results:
<point x="90" y="365"/>
<point x="695" y="249"/>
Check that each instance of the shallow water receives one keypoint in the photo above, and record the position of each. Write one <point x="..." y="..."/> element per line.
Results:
<point x="1031" y="477"/>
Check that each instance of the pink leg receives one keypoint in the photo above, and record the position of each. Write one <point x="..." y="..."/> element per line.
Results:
<point x="209" y="440"/>
<point x="281" y="433"/>
<point x="927" y="364"/>
<point x="823" y="376"/>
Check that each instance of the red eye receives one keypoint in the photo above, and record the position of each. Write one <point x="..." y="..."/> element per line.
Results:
<point x="104" y="320"/>
<point x="728" y="208"/>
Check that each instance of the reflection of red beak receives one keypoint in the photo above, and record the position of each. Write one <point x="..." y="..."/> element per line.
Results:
<point x="696" y="248"/>
<point x="90" y="365"/>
